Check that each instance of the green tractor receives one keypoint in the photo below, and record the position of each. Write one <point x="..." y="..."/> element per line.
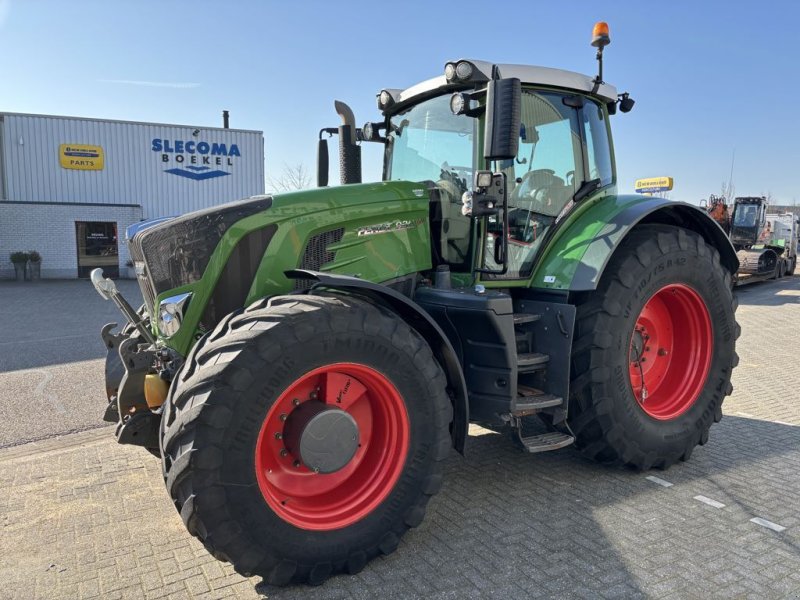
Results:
<point x="305" y="362"/>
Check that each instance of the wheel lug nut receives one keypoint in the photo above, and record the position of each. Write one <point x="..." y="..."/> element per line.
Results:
<point x="297" y="464"/>
<point x="284" y="452"/>
<point x="283" y="417"/>
<point x="662" y="352"/>
<point x="296" y="402"/>
<point x="278" y="435"/>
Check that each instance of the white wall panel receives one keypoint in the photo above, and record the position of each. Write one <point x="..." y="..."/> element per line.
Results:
<point x="133" y="173"/>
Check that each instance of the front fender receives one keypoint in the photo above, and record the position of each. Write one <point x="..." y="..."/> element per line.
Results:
<point x="417" y="318"/>
<point x="578" y="255"/>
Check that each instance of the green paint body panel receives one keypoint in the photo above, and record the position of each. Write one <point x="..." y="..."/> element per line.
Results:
<point x="404" y="247"/>
<point x="574" y="242"/>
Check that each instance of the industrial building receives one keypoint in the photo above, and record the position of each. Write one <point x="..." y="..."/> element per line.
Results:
<point x="69" y="187"/>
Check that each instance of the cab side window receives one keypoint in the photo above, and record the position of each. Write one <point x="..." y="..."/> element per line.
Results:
<point x="598" y="155"/>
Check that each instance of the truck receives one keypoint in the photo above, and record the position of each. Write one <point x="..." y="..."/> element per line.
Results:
<point x="305" y="362"/>
<point x="766" y="244"/>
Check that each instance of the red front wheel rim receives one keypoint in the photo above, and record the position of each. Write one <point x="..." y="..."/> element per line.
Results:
<point x="319" y="501"/>
<point x="670" y="351"/>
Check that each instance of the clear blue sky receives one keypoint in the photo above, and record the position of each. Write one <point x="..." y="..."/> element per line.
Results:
<point x="708" y="77"/>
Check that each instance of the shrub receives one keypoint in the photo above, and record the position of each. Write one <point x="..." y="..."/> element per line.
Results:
<point x="34" y="256"/>
<point x="19" y="257"/>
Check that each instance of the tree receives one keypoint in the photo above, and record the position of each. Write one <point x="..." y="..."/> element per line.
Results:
<point x="728" y="190"/>
<point x="291" y="178"/>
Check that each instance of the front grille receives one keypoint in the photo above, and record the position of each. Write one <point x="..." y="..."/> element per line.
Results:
<point x="177" y="252"/>
<point x="316" y="254"/>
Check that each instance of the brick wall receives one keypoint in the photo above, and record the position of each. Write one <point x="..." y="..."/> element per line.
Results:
<point x="50" y="229"/>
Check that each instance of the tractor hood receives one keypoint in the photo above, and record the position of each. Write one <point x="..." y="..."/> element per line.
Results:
<point x="230" y="255"/>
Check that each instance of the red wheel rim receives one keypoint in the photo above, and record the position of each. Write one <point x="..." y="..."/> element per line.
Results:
<point x="318" y="501"/>
<point x="670" y="351"/>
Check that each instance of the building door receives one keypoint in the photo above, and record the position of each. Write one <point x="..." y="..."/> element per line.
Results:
<point x="97" y="247"/>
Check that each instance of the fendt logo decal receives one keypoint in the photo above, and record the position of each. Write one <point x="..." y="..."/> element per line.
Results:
<point x="388" y="227"/>
<point x="198" y="157"/>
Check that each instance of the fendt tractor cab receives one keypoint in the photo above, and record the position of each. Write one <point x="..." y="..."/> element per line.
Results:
<point x="305" y="362"/>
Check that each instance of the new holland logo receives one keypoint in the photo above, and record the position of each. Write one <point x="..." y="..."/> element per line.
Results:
<point x="195" y="159"/>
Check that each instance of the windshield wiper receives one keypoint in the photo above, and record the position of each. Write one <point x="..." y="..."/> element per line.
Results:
<point x="587" y="187"/>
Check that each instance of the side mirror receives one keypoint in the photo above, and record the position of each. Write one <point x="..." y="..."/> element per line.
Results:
<point x="503" y="105"/>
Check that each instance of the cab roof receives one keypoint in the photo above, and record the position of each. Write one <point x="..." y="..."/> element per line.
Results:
<point x="527" y="74"/>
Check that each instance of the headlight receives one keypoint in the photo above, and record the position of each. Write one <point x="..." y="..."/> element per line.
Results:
<point x="170" y="313"/>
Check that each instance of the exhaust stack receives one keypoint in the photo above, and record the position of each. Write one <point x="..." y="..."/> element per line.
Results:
<point x="349" y="150"/>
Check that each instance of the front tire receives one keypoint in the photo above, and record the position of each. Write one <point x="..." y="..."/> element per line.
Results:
<point x="654" y="350"/>
<point x="243" y="422"/>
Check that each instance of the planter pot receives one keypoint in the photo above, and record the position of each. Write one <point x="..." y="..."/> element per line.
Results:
<point x="35" y="270"/>
<point x="19" y="270"/>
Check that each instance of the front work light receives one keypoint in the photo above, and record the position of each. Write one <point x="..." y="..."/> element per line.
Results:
<point x="458" y="103"/>
<point x="462" y="70"/>
<point x="385" y="100"/>
<point x="367" y="131"/>
<point x="483" y="179"/>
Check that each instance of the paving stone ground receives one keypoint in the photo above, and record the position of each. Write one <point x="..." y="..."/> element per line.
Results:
<point x="83" y="517"/>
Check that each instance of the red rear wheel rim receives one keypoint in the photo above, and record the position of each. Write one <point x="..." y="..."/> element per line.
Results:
<point x="318" y="501"/>
<point x="670" y="351"/>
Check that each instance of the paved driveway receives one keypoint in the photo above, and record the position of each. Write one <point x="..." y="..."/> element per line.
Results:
<point x="52" y="358"/>
<point x="85" y="518"/>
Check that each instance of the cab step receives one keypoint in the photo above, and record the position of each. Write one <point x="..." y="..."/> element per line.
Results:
<point x="532" y="361"/>
<point x="545" y="442"/>
<point x="530" y="401"/>
<point x="520" y="318"/>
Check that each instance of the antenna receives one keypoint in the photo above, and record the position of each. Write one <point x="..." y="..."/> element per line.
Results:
<point x="730" y="179"/>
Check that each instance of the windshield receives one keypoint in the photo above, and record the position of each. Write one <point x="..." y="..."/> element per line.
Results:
<point x="746" y="215"/>
<point x="428" y="142"/>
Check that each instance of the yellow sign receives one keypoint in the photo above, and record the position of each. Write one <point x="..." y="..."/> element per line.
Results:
<point x="81" y="157"/>
<point x="653" y="184"/>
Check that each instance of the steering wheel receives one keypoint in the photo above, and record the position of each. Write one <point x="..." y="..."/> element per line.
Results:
<point x="533" y="184"/>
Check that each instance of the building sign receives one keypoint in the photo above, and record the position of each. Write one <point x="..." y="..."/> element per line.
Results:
<point x="653" y="184"/>
<point x="196" y="159"/>
<point x="81" y="157"/>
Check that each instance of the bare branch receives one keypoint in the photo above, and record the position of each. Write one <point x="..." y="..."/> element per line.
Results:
<point x="291" y="178"/>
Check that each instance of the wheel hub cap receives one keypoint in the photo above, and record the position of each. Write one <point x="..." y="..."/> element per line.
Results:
<point x="325" y="438"/>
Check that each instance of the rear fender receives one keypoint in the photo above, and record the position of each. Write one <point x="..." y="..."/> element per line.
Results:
<point x="417" y="318"/>
<point x="577" y="257"/>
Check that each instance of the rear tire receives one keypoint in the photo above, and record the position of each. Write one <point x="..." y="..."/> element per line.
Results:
<point x="253" y="503"/>
<point x="661" y="279"/>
